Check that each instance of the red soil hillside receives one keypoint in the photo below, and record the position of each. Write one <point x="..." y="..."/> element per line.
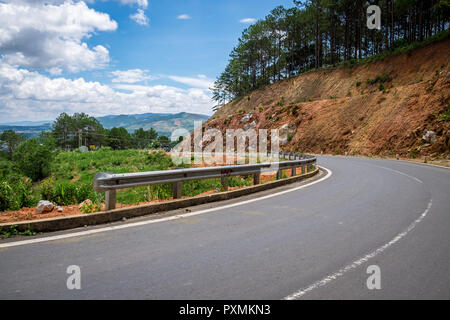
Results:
<point x="341" y="110"/>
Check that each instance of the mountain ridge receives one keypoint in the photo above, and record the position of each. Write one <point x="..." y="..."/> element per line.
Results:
<point x="163" y="123"/>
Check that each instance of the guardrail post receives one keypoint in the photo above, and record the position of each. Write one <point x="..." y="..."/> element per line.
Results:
<point x="256" y="179"/>
<point x="110" y="200"/>
<point x="224" y="181"/>
<point x="177" y="190"/>
<point x="294" y="171"/>
<point x="304" y="169"/>
<point x="279" y="174"/>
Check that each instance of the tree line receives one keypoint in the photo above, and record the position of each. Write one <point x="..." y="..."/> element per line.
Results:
<point x="33" y="156"/>
<point x="80" y="129"/>
<point x="318" y="33"/>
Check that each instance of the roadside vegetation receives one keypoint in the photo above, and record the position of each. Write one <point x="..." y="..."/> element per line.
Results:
<point x="41" y="169"/>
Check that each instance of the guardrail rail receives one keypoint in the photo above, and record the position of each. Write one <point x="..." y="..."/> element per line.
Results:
<point x="111" y="182"/>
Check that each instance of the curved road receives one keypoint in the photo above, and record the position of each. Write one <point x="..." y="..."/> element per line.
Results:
<point x="311" y="243"/>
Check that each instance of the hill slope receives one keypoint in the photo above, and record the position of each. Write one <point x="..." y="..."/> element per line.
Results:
<point x="383" y="107"/>
<point x="164" y="124"/>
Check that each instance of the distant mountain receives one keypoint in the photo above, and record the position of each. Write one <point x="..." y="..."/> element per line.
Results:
<point x="29" y="131"/>
<point x="27" y="123"/>
<point x="163" y="123"/>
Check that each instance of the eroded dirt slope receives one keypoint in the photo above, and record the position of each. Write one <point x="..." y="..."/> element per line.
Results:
<point x="384" y="107"/>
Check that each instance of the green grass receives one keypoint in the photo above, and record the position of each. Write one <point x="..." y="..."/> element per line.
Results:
<point x="383" y="78"/>
<point x="82" y="167"/>
<point x="72" y="175"/>
<point x="444" y="116"/>
<point x="401" y="48"/>
<point x="13" y="232"/>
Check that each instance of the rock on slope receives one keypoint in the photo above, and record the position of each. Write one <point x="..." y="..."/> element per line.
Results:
<point x="383" y="107"/>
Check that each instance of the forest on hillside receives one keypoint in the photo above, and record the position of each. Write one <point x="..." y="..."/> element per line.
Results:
<point x="318" y="33"/>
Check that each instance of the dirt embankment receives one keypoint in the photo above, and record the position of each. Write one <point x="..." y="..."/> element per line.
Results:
<point x="384" y="107"/>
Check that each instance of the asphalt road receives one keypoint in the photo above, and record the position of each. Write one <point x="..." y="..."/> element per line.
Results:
<point x="311" y="243"/>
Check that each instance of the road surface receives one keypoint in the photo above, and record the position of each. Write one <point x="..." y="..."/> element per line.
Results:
<point x="314" y="242"/>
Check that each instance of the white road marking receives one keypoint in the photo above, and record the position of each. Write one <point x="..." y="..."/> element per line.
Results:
<point x="357" y="263"/>
<point x="142" y="223"/>
<point x="402" y="173"/>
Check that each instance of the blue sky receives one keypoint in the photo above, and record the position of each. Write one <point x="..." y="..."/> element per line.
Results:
<point x="184" y="47"/>
<point x="116" y="56"/>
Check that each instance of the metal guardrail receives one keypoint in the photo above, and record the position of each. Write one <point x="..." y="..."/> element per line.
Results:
<point x="110" y="182"/>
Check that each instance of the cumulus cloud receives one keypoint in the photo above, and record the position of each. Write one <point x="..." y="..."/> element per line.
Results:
<point x="50" y="37"/>
<point x="248" y="20"/>
<point x="130" y="76"/>
<point x="29" y="95"/>
<point x="184" y="17"/>
<point x="140" y="17"/>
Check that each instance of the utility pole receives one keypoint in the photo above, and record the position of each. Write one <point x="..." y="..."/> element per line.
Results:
<point x="80" y="138"/>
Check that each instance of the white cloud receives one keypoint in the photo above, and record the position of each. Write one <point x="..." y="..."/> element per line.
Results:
<point x="49" y="37"/>
<point x="140" y="3"/>
<point x="140" y="17"/>
<point x="184" y="17"/>
<point x="200" y="82"/>
<point x="248" y="20"/>
<point x="131" y="76"/>
<point x="29" y="95"/>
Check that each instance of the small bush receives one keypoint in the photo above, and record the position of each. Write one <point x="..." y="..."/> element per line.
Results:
<point x="65" y="194"/>
<point x="236" y="101"/>
<point x="380" y="79"/>
<point x="16" y="193"/>
<point x="90" y="207"/>
<point x="33" y="159"/>
<point x="445" y="116"/>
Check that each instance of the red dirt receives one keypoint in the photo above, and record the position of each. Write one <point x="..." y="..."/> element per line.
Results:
<point x="335" y="115"/>
<point x="29" y="214"/>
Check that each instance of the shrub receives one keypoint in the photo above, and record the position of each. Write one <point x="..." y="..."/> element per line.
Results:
<point x="6" y="168"/>
<point x="90" y="207"/>
<point x="16" y="193"/>
<point x="6" y="194"/>
<point x="33" y="159"/>
<point x="66" y="193"/>
<point x="445" y="116"/>
<point x="380" y="79"/>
